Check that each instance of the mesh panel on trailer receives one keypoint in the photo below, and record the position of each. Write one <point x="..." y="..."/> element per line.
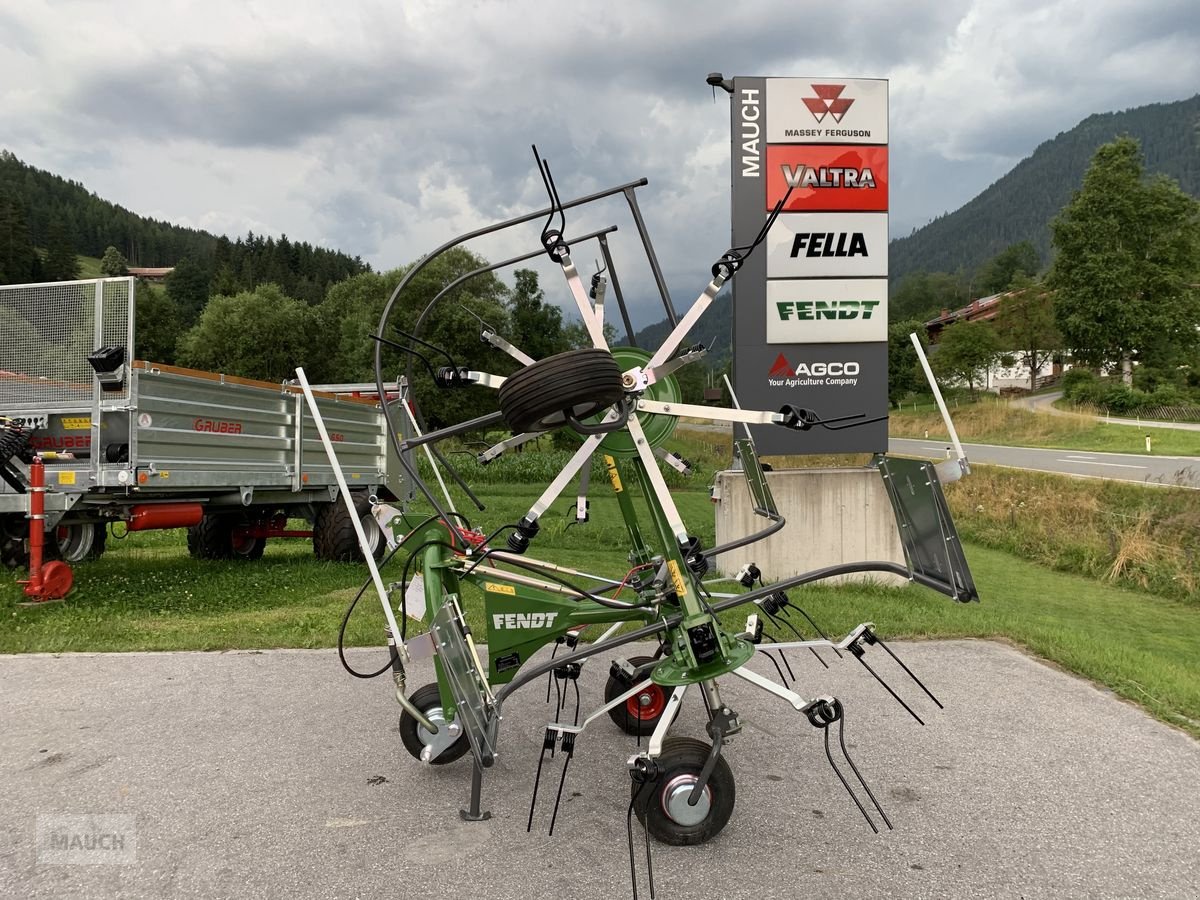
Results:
<point x="46" y="334"/>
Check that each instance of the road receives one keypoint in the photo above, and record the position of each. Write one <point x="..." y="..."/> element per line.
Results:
<point x="275" y="774"/>
<point x="1181" y="471"/>
<point x="1044" y="403"/>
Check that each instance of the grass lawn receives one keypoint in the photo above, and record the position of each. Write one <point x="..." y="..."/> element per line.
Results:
<point x="991" y="421"/>
<point x="147" y="594"/>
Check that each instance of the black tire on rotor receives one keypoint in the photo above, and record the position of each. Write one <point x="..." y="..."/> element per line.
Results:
<point x="334" y="537"/>
<point x="426" y="698"/>
<point x="621" y="715"/>
<point x="213" y="538"/>
<point x="685" y="756"/>
<point x="580" y="383"/>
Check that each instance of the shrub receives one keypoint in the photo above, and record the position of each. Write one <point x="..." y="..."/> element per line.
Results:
<point x="1075" y="380"/>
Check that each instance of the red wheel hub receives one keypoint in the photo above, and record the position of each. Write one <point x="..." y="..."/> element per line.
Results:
<point x="648" y="703"/>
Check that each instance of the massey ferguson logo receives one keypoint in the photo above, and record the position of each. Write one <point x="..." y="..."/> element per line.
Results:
<point x="802" y="176"/>
<point x="802" y="374"/>
<point x="828" y="102"/>
<point x="524" y="620"/>
<point x="843" y="243"/>
<point x="841" y="310"/>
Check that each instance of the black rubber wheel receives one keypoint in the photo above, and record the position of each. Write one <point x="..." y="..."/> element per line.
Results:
<point x="414" y="736"/>
<point x="650" y="703"/>
<point x="541" y="395"/>
<point x="14" y="529"/>
<point x="214" y="538"/>
<point x="334" y="538"/>
<point x="662" y="805"/>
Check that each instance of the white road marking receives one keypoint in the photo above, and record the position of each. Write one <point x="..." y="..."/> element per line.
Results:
<point x="1102" y="463"/>
<point x="1081" y="457"/>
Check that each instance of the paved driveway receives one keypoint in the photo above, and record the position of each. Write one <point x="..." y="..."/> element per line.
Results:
<point x="277" y="775"/>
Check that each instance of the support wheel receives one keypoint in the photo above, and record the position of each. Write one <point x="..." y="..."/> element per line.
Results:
<point x="334" y="538"/>
<point x="662" y="805"/>
<point x="77" y="542"/>
<point x="580" y="383"/>
<point x="414" y="736"/>
<point x="649" y="704"/>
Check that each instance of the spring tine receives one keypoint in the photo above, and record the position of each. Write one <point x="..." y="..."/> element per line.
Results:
<point x="561" y="781"/>
<point x="783" y="659"/>
<point x="886" y="686"/>
<point x="776" y="665"/>
<point x="629" y="834"/>
<point x="846" y="784"/>
<point x="816" y="628"/>
<point x="537" y="779"/>
<point x="909" y="671"/>
<point x="861" y="780"/>
<point x="550" y="674"/>
<point x="575" y="681"/>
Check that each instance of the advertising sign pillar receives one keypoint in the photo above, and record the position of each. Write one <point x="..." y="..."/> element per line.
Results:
<point x="810" y="313"/>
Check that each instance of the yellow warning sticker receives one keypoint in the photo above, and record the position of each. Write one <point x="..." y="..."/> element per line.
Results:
<point x="677" y="578"/>
<point x="75" y="423"/>
<point x="613" y="475"/>
<point x="493" y="588"/>
<point x="66" y="477"/>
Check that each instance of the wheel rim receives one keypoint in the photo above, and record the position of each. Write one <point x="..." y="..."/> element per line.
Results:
<point x="74" y="541"/>
<point x="647" y="704"/>
<point x="437" y="716"/>
<point x="243" y="544"/>
<point x="373" y="532"/>
<point x="674" y="799"/>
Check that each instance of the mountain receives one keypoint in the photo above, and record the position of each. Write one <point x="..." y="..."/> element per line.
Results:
<point x="1019" y="206"/>
<point x="35" y="204"/>
<point x="714" y="330"/>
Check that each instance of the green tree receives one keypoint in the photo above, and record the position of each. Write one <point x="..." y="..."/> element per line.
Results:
<point x="157" y="325"/>
<point x="998" y="273"/>
<point x="1128" y="259"/>
<point x="187" y="286"/>
<point x="113" y="264"/>
<point x="1025" y="324"/>
<point x="965" y="352"/>
<point x="18" y="260"/>
<point x="922" y="295"/>
<point x="256" y="334"/>
<point x="61" y="262"/>
<point x="904" y="369"/>
<point x="537" y="326"/>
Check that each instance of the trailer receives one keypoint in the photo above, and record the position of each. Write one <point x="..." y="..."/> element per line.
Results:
<point x="121" y="440"/>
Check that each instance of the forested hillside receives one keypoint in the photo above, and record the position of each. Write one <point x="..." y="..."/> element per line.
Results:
<point x="1019" y="206"/>
<point x="45" y="211"/>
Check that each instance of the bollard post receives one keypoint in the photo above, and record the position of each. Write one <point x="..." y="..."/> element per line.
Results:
<point x="1147" y="443"/>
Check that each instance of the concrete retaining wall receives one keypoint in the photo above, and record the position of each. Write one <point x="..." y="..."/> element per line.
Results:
<point x="833" y="516"/>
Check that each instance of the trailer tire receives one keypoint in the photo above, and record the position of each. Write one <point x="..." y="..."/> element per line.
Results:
<point x="580" y="383"/>
<point x="13" y="531"/>
<point x="334" y="538"/>
<point x="660" y="803"/>
<point x="213" y="538"/>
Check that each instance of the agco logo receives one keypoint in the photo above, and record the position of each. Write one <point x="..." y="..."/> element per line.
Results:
<point x="812" y="310"/>
<point x="828" y="102"/>
<point x="802" y="374"/>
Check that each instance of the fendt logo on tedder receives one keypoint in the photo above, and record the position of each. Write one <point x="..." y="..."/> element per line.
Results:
<point x="809" y="310"/>
<point x="524" y="620"/>
<point x="802" y="374"/>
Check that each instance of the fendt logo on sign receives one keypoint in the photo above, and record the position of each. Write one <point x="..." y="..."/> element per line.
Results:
<point x="828" y="102"/>
<point x="837" y="373"/>
<point x="824" y="245"/>
<point x="826" y="310"/>
<point x="826" y="111"/>
<point x="849" y="178"/>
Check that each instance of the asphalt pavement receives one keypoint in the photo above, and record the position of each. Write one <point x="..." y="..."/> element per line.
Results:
<point x="1180" y="471"/>
<point x="275" y="774"/>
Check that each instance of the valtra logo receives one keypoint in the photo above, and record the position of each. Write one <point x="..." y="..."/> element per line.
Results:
<point x="828" y="102"/>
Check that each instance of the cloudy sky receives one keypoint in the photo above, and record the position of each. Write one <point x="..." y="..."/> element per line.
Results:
<point x="384" y="128"/>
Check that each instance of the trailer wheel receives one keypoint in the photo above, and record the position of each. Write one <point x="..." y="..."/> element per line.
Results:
<point x="415" y="737"/>
<point x="334" y="538"/>
<point x="13" y="531"/>
<point x="541" y="395"/>
<point x="77" y="542"/>
<point x="649" y="704"/>
<point x="214" y="538"/>
<point x="662" y="807"/>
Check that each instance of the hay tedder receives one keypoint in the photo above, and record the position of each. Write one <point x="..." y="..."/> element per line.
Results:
<point x="623" y="403"/>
